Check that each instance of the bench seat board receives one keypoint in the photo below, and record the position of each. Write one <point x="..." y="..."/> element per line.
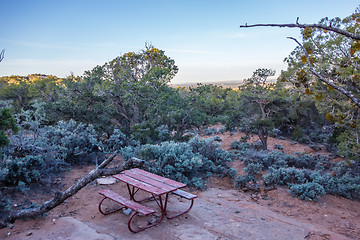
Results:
<point x="184" y="194"/>
<point x="125" y="202"/>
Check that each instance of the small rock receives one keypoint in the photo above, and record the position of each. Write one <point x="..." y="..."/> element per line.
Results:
<point x="348" y="225"/>
<point x="153" y="219"/>
<point x="29" y="234"/>
<point x="106" y="181"/>
<point x="9" y="233"/>
<point x="92" y="217"/>
<point x="237" y="211"/>
<point x="127" y="211"/>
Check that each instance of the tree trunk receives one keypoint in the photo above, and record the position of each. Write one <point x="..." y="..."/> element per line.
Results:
<point x="62" y="196"/>
<point x="263" y="137"/>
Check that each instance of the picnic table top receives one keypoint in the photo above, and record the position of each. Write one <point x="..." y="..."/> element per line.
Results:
<point x="148" y="182"/>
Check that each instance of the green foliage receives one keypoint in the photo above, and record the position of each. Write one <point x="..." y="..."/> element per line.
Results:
<point x="72" y="141"/>
<point x="278" y="146"/>
<point x="336" y="58"/>
<point x="308" y="177"/>
<point x="192" y="162"/>
<point x="39" y="151"/>
<point x="286" y="176"/>
<point x="7" y="122"/>
<point x="209" y="99"/>
<point x="15" y="171"/>
<point x="297" y="134"/>
<point x="349" y="145"/>
<point x="308" y="191"/>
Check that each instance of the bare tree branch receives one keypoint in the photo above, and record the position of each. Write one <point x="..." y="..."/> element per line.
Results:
<point x="62" y="196"/>
<point x="2" y="55"/>
<point x="297" y="25"/>
<point x="326" y="81"/>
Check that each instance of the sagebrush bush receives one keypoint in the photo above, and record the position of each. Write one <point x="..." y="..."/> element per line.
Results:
<point x="189" y="162"/>
<point x="286" y="176"/>
<point x="308" y="191"/>
<point x="308" y="176"/>
<point x="38" y="151"/>
<point x="278" y="146"/>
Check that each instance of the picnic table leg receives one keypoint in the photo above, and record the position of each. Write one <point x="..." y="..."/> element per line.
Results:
<point x="132" y="191"/>
<point x="106" y="213"/>
<point x="162" y="204"/>
<point x="133" y="214"/>
<point x="179" y="214"/>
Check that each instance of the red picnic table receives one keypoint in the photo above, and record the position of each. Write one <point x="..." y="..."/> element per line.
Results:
<point x="159" y="188"/>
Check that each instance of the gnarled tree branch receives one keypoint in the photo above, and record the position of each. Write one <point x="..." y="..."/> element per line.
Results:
<point x="62" y="196"/>
<point x="2" y="55"/>
<point x="297" y="25"/>
<point x="326" y="81"/>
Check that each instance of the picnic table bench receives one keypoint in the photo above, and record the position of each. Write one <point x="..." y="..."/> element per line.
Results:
<point x="158" y="187"/>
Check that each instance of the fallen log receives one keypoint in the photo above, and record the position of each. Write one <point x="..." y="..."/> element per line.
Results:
<point x="62" y="196"/>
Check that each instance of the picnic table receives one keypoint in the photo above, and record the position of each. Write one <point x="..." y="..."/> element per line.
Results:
<point x="159" y="188"/>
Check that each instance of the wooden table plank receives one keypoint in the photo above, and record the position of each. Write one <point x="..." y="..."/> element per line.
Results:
<point x="158" y="178"/>
<point x="150" y="181"/>
<point x="136" y="183"/>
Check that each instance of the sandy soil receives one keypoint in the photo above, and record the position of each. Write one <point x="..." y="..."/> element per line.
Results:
<point x="220" y="212"/>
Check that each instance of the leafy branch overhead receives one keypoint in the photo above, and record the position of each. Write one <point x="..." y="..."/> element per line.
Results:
<point x="333" y="32"/>
<point x="330" y="53"/>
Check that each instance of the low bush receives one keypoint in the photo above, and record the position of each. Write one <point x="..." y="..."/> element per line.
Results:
<point x="189" y="162"/>
<point x="279" y="147"/>
<point x="39" y="151"/>
<point x="308" y="177"/>
<point x="307" y="191"/>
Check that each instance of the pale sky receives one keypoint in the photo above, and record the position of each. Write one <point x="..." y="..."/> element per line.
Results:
<point x="59" y="37"/>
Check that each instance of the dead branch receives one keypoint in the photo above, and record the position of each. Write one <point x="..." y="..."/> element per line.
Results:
<point x="326" y="81"/>
<point x="2" y="55"/>
<point x="297" y="25"/>
<point x="62" y="196"/>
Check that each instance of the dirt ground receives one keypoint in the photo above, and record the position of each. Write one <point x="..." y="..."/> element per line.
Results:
<point x="220" y="212"/>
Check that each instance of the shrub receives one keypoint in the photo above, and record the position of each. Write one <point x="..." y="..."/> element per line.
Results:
<point x="308" y="191"/>
<point x="163" y="132"/>
<point x="210" y="131"/>
<point x="308" y="176"/>
<point x="239" y="145"/>
<point x="278" y="146"/>
<point x="119" y="140"/>
<point x="73" y="141"/>
<point x="274" y="132"/>
<point x="15" y="170"/>
<point x="286" y="176"/>
<point x="38" y="151"/>
<point x="298" y="134"/>
<point x="192" y="162"/>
